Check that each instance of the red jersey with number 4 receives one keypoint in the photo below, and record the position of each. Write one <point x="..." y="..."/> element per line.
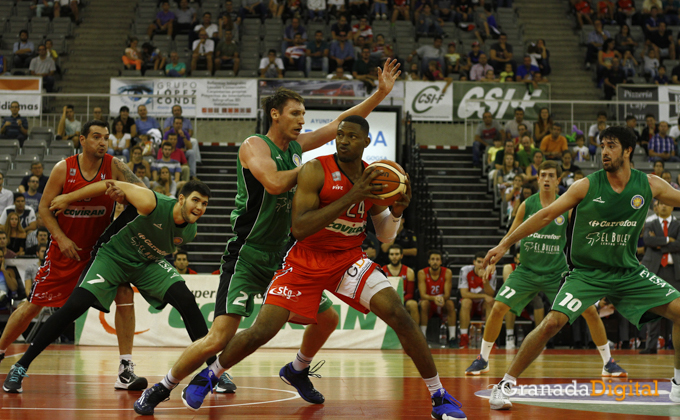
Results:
<point x="83" y="222"/>
<point x="347" y="231"/>
<point x="435" y="287"/>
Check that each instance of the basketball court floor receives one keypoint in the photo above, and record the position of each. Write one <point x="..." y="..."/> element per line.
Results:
<point x="68" y="382"/>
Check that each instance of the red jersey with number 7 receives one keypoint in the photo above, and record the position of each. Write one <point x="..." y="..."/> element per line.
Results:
<point x="347" y="231"/>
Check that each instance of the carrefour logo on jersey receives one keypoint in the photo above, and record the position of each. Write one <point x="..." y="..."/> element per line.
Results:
<point x="605" y="223"/>
<point x="85" y="211"/>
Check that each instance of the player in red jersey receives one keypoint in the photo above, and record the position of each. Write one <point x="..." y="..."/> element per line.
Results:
<point x="477" y="295"/>
<point x="435" y="283"/>
<point x="330" y="208"/>
<point x="74" y="234"/>
<point x="395" y="268"/>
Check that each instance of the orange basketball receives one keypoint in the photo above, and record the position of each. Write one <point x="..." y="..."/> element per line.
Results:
<point x="394" y="177"/>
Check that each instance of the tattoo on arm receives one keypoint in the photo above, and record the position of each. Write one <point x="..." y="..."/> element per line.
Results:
<point x="128" y="176"/>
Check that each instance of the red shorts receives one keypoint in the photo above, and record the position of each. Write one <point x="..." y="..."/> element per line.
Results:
<point x="478" y="308"/>
<point x="56" y="278"/>
<point x="434" y="309"/>
<point x="306" y="274"/>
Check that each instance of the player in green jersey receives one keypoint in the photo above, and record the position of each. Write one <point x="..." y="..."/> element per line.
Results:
<point x="542" y="266"/>
<point x="267" y="169"/>
<point x="610" y="208"/>
<point x="131" y="250"/>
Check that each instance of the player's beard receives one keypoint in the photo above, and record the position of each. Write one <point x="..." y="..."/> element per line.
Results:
<point x="186" y="214"/>
<point x="614" y="164"/>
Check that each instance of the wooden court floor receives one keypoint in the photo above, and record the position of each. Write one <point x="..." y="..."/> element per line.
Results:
<point x="68" y="382"/>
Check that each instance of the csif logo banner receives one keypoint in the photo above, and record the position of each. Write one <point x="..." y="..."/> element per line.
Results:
<point x="428" y="101"/>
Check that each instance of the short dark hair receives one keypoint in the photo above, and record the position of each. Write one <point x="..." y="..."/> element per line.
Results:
<point x="438" y="38"/>
<point x="195" y="186"/>
<point x="36" y="163"/>
<point x="42" y="229"/>
<point x="22" y="31"/>
<point x="522" y="124"/>
<point x="271" y="50"/>
<point x="178" y="118"/>
<point x="278" y="100"/>
<point x="318" y="32"/>
<point x="661" y="66"/>
<point x="135" y="147"/>
<point x="18" y="195"/>
<point x="623" y="135"/>
<point x="433" y="252"/>
<point x="519" y="108"/>
<point x="480" y="254"/>
<point x="207" y="13"/>
<point x="665" y="171"/>
<point x="182" y="252"/>
<point x="171" y="134"/>
<point x="93" y="123"/>
<point x="359" y="120"/>
<point x="396" y="246"/>
<point x="630" y="117"/>
<point x="124" y="108"/>
<point x="602" y="114"/>
<point x="166" y="143"/>
<point x="69" y="106"/>
<point x="550" y="164"/>
<point x="650" y="115"/>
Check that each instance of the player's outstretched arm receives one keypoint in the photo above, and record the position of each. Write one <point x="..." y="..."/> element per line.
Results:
<point x="256" y="157"/>
<point x="541" y="219"/>
<point x="519" y="217"/>
<point x="386" y="78"/>
<point x="143" y="199"/>
<point x="663" y="191"/>
<point x="308" y="218"/>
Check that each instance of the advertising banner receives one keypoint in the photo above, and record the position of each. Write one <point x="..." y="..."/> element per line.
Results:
<point x="669" y="112"/>
<point x="516" y="92"/>
<point x="215" y="98"/>
<point x="382" y="131"/>
<point x="646" y="98"/>
<point x="427" y="101"/>
<point x="29" y="105"/>
<point x="166" y="329"/>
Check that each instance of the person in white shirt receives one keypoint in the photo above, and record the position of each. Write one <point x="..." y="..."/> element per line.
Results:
<point x="210" y="28"/>
<point x="203" y="49"/>
<point x="594" y="131"/>
<point x="25" y="213"/>
<point x="675" y="131"/>
<point x="119" y="142"/>
<point x="6" y="196"/>
<point x="271" y="66"/>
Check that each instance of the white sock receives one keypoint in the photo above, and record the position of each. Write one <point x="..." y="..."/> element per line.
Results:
<point x="3" y="351"/>
<point x="433" y="384"/>
<point x="486" y="349"/>
<point x="216" y="368"/>
<point x="169" y="381"/>
<point x="452" y="333"/>
<point x="676" y="376"/>
<point x="509" y="332"/>
<point x="605" y="353"/>
<point x="463" y="331"/>
<point x="510" y="379"/>
<point x="126" y="357"/>
<point x="423" y="328"/>
<point x="301" y="362"/>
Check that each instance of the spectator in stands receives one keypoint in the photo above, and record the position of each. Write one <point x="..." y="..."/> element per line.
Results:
<point x="362" y="29"/>
<point x="342" y="53"/>
<point x="43" y="66"/>
<point x="604" y="59"/>
<point x="358" y="7"/>
<point x="504" y="177"/>
<point x="378" y="48"/>
<point x="478" y="71"/>
<point x="629" y="64"/>
<point x="32" y="196"/>
<point x="473" y="54"/>
<point x="339" y="74"/>
<point x="540" y="57"/>
<point x="401" y="8"/>
<point x="625" y="10"/>
<point x="164" y="21"/>
<point x="229" y="21"/>
<point x="554" y="144"/>
<point x="292" y="8"/>
<point x="295" y="54"/>
<point x="594" y="132"/>
<point x="32" y="270"/>
<point x="26" y="215"/>
<point x="526" y="73"/>
<point x="429" y="24"/>
<point x="500" y="53"/>
<point x="65" y="8"/>
<point x="175" y="68"/>
<point x="443" y="9"/>
<point x="624" y="41"/>
<point x="23" y="50"/>
<point x="340" y="26"/>
<point x="661" y="78"/>
<point x="210" y="28"/>
<point x="227" y="54"/>
<point x="182" y="263"/>
<point x="336" y="9"/>
<point x="652" y="22"/>
<point x="512" y="126"/>
<point x="271" y="66"/>
<point x="662" y="42"/>
<point x="666" y="176"/>
<point x="185" y="18"/>
<point x="526" y="152"/>
<point x="6" y="196"/>
<point x="493" y="150"/>
<point x="203" y="49"/>
<point x="316" y="10"/>
<point x="129" y="126"/>
<point x="16" y="235"/>
<point x="615" y="76"/>
<point x="131" y="58"/>
<point x="490" y="76"/>
<point x="670" y="10"/>
<point x="49" y="47"/>
<point x="426" y="53"/>
<point x="487" y="27"/>
<point x="631" y="124"/>
<point x="531" y="171"/>
<point x="97" y="114"/>
<point x="522" y="131"/>
<point x="253" y="8"/>
<point x="605" y="11"/>
<point x="568" y="170"/>
<point x="648" y="132"/>
<point x="435" y="284"/>
<point x="486" y="132"/>
<point x="363" y="67"/>
<point x="290" y="31"/>
<point x="145" y="123"/>
<point x="36" y="170"/>
<point x="658" y="168"/>
<point x="413" y="73"/>
<point x="651" y="63"/>
<point x="662" y="146"/>
<point x="584" y="12"/>
<point x="119" y="142"/>
<point x="151" y="57"/>
<point x="581" y="152"/>
<point x="317" y="54"/>
<point x="136" y="159"/>
<point x="14" y="127"/>
<point x="183" y="143"/>
<point x="42" y="237"/>
<point x="165" y="184"/>
<point x="172" y="165"/>
<point x="477" y="294"/>
<point x="543" y="125"/>
<point x="69" y="128"/>
<point x="595" y="42"/>
<point x="454" y="64"/>
<point x="4" y="250"/>
<point x="359" y="44"/>
<point x="508" y="149"/>
<point x="140" y="173"/>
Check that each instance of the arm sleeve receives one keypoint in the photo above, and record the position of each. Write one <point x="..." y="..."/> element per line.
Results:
<point x="385" y="225"/>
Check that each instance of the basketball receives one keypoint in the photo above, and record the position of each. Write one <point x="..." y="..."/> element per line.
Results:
<point x="394" y="177"/>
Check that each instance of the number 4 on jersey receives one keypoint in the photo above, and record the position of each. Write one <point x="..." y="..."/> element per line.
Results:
<point x="360" y="211"/>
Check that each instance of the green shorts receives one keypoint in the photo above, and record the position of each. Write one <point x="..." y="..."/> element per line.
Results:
<point x="523" y="285"/>
<point x="246" y="272"/>
<point x="105" y="273"/>
<point x="632" y="291"/>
